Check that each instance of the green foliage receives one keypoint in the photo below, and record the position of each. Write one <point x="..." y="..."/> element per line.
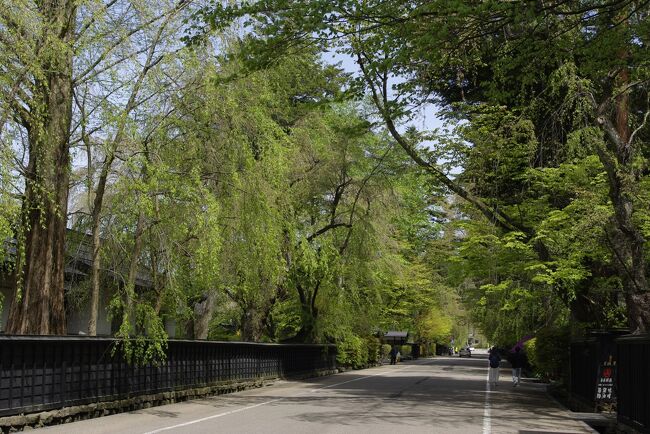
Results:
<point x="374" y="350"/>
<point x="249" y="199"/>
<point x="433" y="326"/>
<point x="538" y="142"/>
<point x="283" y="216"/>
<point x="352" y="352"/>
<point x="503" y="146"/>
<point x="141" y="339"/>
<point x="549" y="353"/>
<point x="385" y="351"/>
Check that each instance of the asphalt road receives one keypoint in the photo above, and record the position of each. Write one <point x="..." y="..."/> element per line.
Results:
<point x="441" y="395"/>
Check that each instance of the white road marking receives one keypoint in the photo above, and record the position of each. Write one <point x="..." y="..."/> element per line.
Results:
<point x="357" y="379"/>
<point x="203" y="419"/>
<point x="487" y="410"/>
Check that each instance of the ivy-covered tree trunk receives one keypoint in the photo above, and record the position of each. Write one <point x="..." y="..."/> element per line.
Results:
<point x="623" y="174"/>
<point x="38" y="304"/>
<point x="628" y="244"/>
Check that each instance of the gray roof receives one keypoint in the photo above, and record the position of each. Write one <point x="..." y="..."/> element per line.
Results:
<point x="396" y="334"/>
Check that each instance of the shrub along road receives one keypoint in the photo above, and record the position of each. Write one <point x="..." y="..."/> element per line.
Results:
<point x="444" y="394"/>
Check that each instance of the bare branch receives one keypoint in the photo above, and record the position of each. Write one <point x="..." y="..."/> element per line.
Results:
<point x="643" y="123"/>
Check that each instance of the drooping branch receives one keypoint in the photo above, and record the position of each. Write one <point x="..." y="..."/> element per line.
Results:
<point x="97" y="205"/>
<point x="380" y="98"/>
<point x="365" y="181"/>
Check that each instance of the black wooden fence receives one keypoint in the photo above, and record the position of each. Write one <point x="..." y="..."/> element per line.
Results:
<point x="42" y="373"/>
<point x="634" y="381"/>
<point x="586" y="356"/>
<point x="584" y="370"/>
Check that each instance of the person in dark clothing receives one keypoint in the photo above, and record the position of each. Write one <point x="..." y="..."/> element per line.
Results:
<point x="393" y="356"/>
<point x="495" y="361"/>
<point x="517" y="362"/>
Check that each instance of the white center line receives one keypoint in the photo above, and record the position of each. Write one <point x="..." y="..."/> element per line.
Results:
<point x="203" y="419"/>
<point x="487" y="410"/>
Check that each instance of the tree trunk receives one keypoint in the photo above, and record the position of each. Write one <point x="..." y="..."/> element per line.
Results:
<point x="251" y="325"/>
<point x="94" y="278"/>
<point x="38" y="306"/>
<point x="308" y="317"/>
<point x="96" y="246"/>
<point x="629" y="246"/>
<point x="133" y="266"/>
<point x="635" y="280"/>
<point x="627" y="239"/>
<point x="203" y="311"/>
<point x="638" y="311"/>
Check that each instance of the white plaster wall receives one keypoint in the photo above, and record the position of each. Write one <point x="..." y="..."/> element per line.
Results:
<point x="77" y="320"/>
<point x="170" y="328"/>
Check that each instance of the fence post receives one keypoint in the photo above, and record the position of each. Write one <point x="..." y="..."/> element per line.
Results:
<point x="633" y="381"/>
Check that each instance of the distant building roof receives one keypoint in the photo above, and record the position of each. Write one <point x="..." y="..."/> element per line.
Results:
<point x="396" y="334"/>
<point x="395" y="337"/>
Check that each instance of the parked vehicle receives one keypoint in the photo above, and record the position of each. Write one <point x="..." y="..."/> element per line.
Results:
<point x="465" y="352"/>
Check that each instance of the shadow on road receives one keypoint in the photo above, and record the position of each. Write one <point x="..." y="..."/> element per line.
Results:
<point x="445" y="393"/>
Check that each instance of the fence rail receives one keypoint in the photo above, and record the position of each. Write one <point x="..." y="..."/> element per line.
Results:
<point x="40" y="373"/>
<point x="633" y="384"/>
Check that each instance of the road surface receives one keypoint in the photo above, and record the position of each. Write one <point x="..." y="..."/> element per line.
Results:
<point x="441" y="395"/>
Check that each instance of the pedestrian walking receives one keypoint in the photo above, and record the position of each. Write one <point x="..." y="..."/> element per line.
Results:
<point x="517" y="362"/>
<point x="495" y="361"/>
<point x="393" y="355"/>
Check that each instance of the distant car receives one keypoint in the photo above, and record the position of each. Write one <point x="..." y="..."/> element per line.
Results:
<point x="471" y="348"/>
<point x="465" y="352"/>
